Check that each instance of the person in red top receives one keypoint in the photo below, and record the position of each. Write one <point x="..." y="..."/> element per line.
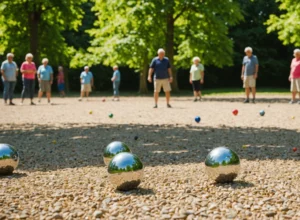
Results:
<point x="61" y="81"/>
<point x="28" y="70"/>
<point x="295" y="76"/>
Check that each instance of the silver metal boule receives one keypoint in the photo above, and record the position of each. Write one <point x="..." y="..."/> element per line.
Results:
<point x="113" y="149"/>
<point x="9" y="159"/>
<point x="125" y="171"/>
<point x="222" y="165"/>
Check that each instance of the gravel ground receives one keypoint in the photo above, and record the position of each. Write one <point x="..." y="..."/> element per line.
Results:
<point x="61" y="174"/>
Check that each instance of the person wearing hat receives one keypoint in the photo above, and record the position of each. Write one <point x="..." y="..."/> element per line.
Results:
<point x="9" y="71"/>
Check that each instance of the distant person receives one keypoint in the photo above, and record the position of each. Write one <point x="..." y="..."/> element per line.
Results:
<point x="249" y="73"/>
<point x="9" y="70"/>
<point x="61" y="81"/>
<point x="45" y="77"/>
<point x="161" y="67"/>
<point x="116" y="80"/>
<point x="87" y="82"/>
<point x="28" y="70"/>
<point x="295" y="76"/>
<point x="197" y="78"/>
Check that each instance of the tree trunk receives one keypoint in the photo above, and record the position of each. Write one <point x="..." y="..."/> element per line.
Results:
<point x="170" y="46"/>
<point x="143" y="77"/>
<point x="33" y="24"/>
<point x="66" y="74"/>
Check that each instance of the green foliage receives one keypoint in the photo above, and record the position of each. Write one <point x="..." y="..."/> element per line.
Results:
<point x="130" y="32"/>
<point x="287" y="24"/>
<point x="52" y="16"/>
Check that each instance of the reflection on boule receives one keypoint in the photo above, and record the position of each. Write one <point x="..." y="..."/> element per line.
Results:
<point x="125" y="171"/>
<point x="9" y="159"/>
<point x="113" y="149"/>
<point x="222" y="165"/>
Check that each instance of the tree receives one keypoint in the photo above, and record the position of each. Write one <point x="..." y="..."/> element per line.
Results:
<point x="36" y="27"/>
<point x="287" y="24"/>
<point x="130" y="32"/>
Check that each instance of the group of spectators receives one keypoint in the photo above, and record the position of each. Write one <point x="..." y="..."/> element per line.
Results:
<point x="160" y="67"/>
<point x="44" y="73"/>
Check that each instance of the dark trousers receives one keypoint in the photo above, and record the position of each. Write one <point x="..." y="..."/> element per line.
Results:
<point x="8" y="91"/>
<point x="28" y="88"/>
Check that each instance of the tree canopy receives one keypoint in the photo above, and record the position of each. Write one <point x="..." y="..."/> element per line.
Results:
<point x="130" y="32"/>
<point x="37" y="26"/>
<point x="287" y="24"/>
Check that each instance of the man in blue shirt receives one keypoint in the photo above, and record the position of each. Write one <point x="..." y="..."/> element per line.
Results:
<point x="249" y="73"/>
<point x="87" y="82"/>
<point x="161" y="67"/>
<point x="116" y="79"/>
<point x="45" y="77"/>
<point x="9" y="70"/>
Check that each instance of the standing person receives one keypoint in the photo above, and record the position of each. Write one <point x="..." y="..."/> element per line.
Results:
<point x="161" y="67"/>
<point x="9" y="70"/>
<point x="45" y="77"/>
<point x="249" y="73"/>
<point x="87" y="82"/>
<point x="61" y="81"/>
<point x="295" y="76"/>
<point x="116" y="79"/>
<point x="197" y="77"/>
<point x="28" y="70"/>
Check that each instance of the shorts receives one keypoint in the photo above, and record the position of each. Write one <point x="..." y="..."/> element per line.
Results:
<point x="45" y="86"/>
<point x="61" y="87"/>
<point x="197" y="86"/>
<point x="249" y="82"/>
<point x="159" y="83"/>
<point x="295" y="85"/>
<point x="86" y="88"/>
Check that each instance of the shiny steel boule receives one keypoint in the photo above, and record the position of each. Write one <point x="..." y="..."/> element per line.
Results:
<point x="125" y="171"/>
<point x="113" y="149"/>
<point x="9" y="159"/>
<point x="222" y="165"/>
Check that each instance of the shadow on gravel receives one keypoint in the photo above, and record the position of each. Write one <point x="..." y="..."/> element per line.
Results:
<point x="47" y="148"/>
<point x="237" y="99"/>
<point x="137" y="192"/>
<point x="235" y="184"/>
<point x="13" y="176"/>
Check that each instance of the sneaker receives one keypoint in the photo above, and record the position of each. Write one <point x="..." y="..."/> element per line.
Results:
<point x="169" y="106"/>
<point x="11" y="103"/>
<point x="195" y="100"/>
<point x="155" y="106"/>
<point x="253" y="101"/>
<point x="200" y="99"/>
<point x="292" y="102"/>
<point x="21" y="103"/>
<point x="246" y="101"/>
<point x="32" y="103"/>
<point x="117" y="100"/>
<point x="50" y="103"/>
<point x="39" y="101"/>
<point x="298" y="102"/>
<point x="80" y="99"/>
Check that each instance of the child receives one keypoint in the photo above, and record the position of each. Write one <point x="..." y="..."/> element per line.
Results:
<point x="197" y="77"/>
<point x="87" y="82"/>
<point x="116" y="79"/>
<point x="61" y="82"/>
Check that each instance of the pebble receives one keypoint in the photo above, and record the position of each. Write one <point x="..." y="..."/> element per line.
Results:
<point x="97" y="214"/>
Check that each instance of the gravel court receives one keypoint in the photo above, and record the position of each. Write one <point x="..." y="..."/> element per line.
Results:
<point x="62" y="176"/>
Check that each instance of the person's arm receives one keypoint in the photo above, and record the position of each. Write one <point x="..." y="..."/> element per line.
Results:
<point x="39" y="74"/>
<point x="151" y="70"/>
<point x="243" y="70"/>
<point x="170" y="74"/>
<point x="92" y="81"/>
<point x="202" y="77"/>
<point x="51" y="75"/>
<point x="290" y="76"/>
<point x="256" y="71"/>
<point x="81" y="78"/>
<point x="3" y="71"/>
<point x="114" y="77"/>
<point x="17" y="70"/>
